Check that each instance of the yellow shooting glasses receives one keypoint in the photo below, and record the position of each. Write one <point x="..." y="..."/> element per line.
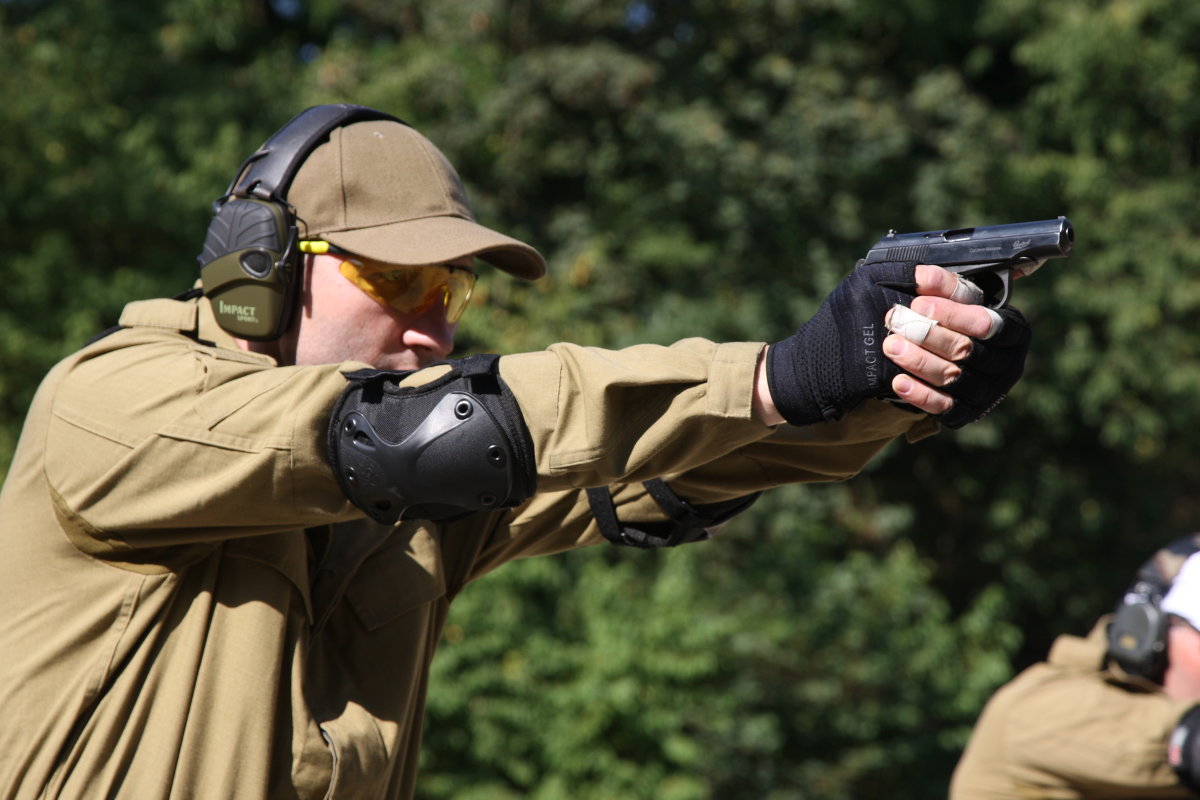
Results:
<point x="407" y="289"/>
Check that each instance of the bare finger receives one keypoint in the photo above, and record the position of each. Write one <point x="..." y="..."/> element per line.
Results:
<point x="937" y="281"/>
<point x="925" y="331"/>
<point x="920" y="362"/>
<point x="921" y="396"/>
<point x="973" y="321"/>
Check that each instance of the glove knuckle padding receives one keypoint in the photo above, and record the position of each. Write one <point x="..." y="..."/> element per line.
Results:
<point x="834" y="361"/>
<point x="993" y="367"/>
<point x="454" y="445"/>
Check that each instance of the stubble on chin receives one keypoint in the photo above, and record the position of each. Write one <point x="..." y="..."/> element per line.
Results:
<point x="400" y="362"/>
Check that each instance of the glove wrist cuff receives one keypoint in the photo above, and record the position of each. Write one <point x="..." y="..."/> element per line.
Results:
<point x="791" y="384"/>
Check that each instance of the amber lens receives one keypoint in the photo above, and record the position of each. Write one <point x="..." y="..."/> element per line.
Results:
<point x="412" y="290"/>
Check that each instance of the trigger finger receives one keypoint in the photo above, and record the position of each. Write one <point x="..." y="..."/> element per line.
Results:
<point x="967" y="292"/>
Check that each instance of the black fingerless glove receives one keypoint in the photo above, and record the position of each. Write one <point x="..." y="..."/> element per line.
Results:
<point x="993" y="367"/>
<point x="835" y="361"/>
<point x="1183" y="749"/>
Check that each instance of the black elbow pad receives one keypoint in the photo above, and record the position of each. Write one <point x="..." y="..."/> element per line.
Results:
<point x="455" y="445"/>
<point x="1183" y="749"/>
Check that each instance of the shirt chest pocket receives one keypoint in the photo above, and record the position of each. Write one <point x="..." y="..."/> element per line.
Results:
<point x="404" y="574"/>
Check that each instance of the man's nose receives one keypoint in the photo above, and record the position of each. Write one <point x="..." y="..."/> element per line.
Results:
<point x="430" y="333"/>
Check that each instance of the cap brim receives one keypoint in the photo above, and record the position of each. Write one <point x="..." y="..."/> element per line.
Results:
<point x="435" y="240"/>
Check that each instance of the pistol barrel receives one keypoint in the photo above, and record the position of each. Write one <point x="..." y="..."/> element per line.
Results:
<point x="1019" y="241"/>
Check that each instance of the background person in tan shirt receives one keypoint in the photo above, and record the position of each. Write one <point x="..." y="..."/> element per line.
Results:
<point x="1113" y="715"/>
<point x="234" y="525"/>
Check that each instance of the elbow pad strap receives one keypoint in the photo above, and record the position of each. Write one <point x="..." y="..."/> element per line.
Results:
<point x="454" y="445"/>
<point x="686" y="524"/>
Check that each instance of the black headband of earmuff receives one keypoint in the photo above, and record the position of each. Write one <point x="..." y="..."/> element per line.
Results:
<point x="249" y="266"/>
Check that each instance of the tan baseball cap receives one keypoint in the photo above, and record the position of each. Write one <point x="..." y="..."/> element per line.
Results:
<point x="382" y="190"/>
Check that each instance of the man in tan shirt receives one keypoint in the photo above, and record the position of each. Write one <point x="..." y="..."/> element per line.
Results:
<point x="234" y="525"/>
<point x="1112" y="715"/>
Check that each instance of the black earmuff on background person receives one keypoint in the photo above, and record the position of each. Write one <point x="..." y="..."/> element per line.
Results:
<point x="250" y="264"/>
<point x="1137" y="635"/>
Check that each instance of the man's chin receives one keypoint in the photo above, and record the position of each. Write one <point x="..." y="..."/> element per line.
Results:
<point x="402" y="363"/>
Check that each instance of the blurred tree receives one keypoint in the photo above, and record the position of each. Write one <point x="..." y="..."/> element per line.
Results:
<point x="784" y="665"/>
<point x="121" y="124"/>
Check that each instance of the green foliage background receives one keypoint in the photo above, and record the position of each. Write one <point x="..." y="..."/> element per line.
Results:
<point x="707" y="168"/>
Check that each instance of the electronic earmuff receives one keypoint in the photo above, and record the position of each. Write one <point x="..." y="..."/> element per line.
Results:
<point x="1137" y="635"/>
<point x="250" y="264"/>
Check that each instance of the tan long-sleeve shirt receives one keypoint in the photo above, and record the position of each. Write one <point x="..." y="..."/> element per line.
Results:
<point x="190" y="607"/>
<point x="1071" y="729"/>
